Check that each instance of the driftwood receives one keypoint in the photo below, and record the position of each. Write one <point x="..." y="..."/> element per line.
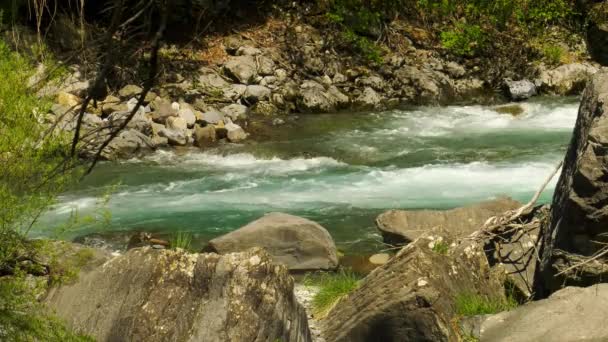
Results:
<point x="497" y="222"/>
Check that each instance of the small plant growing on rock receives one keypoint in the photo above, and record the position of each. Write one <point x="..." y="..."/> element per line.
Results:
<point x="332" y="287"/>
<point x="181" y="240"/>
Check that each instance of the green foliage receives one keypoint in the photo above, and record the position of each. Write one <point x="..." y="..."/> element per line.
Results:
<point x="181" y="240"/>
<point x="358" y="23"/>
<point x="553" y="54"/>
<point x="470" y="304"/>
<point x="332" y="287"/>
<point x="464" y="40"/>
<point x="23" y="318"/>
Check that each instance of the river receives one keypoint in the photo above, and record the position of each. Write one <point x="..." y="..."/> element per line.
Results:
<point x="340" y="170"/>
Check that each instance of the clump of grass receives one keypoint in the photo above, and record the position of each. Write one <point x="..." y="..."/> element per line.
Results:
<point x="181" y="240"/>
<point x="441" y="247"/>
<point x="332" y="287"/>
<point x="470" y="304"/>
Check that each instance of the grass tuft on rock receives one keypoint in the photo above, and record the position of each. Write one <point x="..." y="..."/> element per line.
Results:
<point x="181" y="240"/>
<point x="470" y="304"/>
<point x="332" y="287"/>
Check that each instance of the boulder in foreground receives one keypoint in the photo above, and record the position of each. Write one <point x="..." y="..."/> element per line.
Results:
<point x="166" y="295"/>
<point x="569" y="315"/>
<point x="404" y="226"/>
<point x="412" y="297"/>
<point x="579" y="217"/>
<point x="296" y="242"/>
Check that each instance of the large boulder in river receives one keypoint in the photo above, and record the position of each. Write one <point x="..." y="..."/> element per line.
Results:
<point x="412" y="297"/>
<point x="404" y="226"/>
<point x="519" y="90"/>
<point x="165" y="295"/>
<point x="569" y="315"/>
<point x="579" y="215"/>
<point x="294" y="241"/>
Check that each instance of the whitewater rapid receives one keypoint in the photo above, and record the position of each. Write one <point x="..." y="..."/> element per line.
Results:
<point x="340" y="170"/>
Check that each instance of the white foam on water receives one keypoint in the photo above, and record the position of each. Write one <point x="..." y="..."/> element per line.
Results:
<point x="243" y="162"/>
<point x="440" y="121"/>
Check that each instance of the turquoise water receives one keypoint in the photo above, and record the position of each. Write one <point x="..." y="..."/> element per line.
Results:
<point x="340" y="170"/>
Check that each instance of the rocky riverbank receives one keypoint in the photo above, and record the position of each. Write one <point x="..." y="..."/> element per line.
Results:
<point x="247" y="85"/>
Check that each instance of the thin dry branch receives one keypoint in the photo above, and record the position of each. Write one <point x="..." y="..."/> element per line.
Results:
<point x="496" y="222"/>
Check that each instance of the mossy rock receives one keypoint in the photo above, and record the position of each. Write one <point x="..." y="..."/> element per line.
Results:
<point x="514" y="110"/>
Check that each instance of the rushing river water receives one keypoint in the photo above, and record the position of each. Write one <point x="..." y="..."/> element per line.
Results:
<point x="339" y="170"/>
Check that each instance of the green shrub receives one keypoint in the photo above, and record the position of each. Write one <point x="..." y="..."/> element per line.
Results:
<point x="332" y="287"/>
<point x="470" y="304"/>
<point x="553" y="54"/>
<point x="464" y="40"/>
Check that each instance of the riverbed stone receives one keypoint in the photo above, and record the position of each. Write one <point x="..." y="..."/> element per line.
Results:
<point x="255" y="93"/>
<point x="568" y="79"/>
<point x="242" y="69"/>
<point x="369" y="99"/>
<point x="204" y="136"/>
<point x="235" y="133"/>
<point x="171" y="295"/>
<point x="294" y="241"/>
<point x="519" y="90"/>
<point x="129" y="91"/>
<point x="404" y="226"/>
<point x="236" y="111"/>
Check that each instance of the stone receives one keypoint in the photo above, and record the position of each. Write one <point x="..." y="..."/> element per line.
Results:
<point x="579" y="217"/>
<point x="234" y="91"/>
<point x="571" y="314"/>
<point x="455" y="70"/>
<point x="281" y="74"/>
<point x="339" y="78"/>
<point x="248" y="51"/>
<point x="162" y="111"/>
<point x="139" y="122"/>
<point x="519" y="90"/>
<point x="176" y="123"/>
<point x="235" y="133"/>
<point x="412" y="296"/>
<point x="369" y="99"/>
<point x="242" y="69"/>
<point x="236" y="111"/>
<point x="210" y="80"/>
<point x="68" y="100"/>
<point x="375" y="82"/>
<point x="129" y="91"/>
<point x="187" y="114"/>
<point x="379" y="259"/>
<point x="568" y="79"/>
<point x="296" y="242"/>
<point x="513" y="109"/>
<point x="404" y="226"/>
<point x="268" y="81"/>
<point x="213" y="117"/>
<point x="204" y="136"/>
<point x="129" y="143"/>
<point x="256" y="93"/>
<point x="112" y="104"/>
<point x="170" y="295"/>
<point x="177" y="137"/>
<point x="265" y="66"/>
<point x="341" y="100"/>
